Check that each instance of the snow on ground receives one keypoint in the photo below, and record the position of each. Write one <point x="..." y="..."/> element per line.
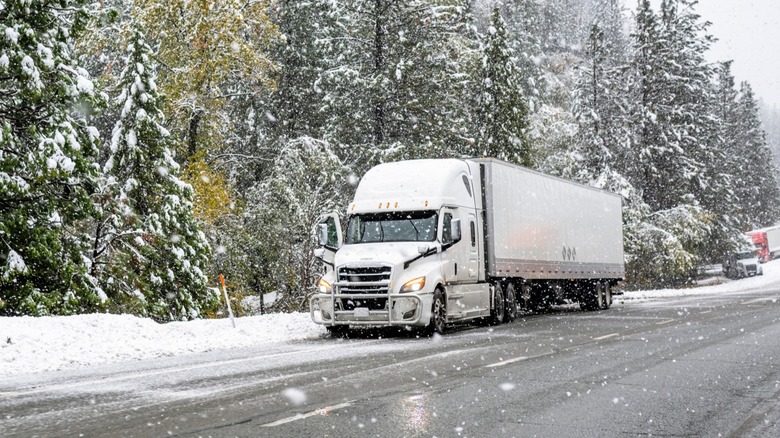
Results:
<point x="723" y="286"/>
<point x="29" y="345"/>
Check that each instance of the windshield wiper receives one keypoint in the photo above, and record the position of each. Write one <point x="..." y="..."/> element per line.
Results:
<point x="416" y="231"/>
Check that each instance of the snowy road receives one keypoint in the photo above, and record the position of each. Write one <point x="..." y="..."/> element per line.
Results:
<point x="698" y="365"/>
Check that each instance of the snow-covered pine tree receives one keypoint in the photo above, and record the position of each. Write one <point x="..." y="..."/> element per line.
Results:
<point x="397" y="73"/>
<point x="151" y="252"/>
<point x="307" y="180"/>
<point x="757" y="184"/>
<point x="609" y="16"/>
<point x="524" y="26"/>
<point x="304" y="27"/>
<point x="502" y="114"/>
<point x="47" y="154"/>
<point x="671" y="149"/>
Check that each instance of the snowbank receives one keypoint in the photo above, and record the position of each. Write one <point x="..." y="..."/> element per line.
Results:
<point x="29" y="345"/>
<point x="726" y="286"/>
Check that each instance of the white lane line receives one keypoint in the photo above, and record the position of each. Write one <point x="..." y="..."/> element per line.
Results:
<point x="667" y="321"/>
<point x="612" y="335"/>
<point x="506" y="362"/>
<point x="760" y="300"/>
<point x="9" y="394"/>
<point x="702" y="313"/>
<point x="322" y="411"/>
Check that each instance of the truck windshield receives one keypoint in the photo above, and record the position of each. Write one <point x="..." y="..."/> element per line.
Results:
<point x="746" y="255"/>
<point x="402" y="226"/>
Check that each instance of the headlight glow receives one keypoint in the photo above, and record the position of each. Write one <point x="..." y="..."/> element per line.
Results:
<point x="413" y="285"/>
<point x="323" y="286"/>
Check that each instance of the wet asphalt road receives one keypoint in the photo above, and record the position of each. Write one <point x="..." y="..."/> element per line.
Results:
<point x="692" y="366"/>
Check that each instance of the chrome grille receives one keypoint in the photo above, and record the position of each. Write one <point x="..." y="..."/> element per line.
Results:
<point x="359" y="280"/>
<point x="364" y="279"/>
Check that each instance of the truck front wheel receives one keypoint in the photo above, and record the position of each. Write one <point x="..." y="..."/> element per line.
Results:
<point x="510" y="313"/>
<point x="497" y="312"/>
<point x="438" y="313"/>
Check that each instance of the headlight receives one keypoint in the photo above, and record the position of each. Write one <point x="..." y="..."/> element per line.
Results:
<point x="413" y="285"/>
<point x="323" y="286"/>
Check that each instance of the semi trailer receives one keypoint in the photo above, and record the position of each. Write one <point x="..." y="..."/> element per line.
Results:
<point x="433" y="242"/>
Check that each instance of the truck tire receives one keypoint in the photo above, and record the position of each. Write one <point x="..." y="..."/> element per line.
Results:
<point x="498" y="310"/>
<point x="438" y="322"/>
<point x="600" y="304"/>
<point x="510" y="306"/>
<point x="607" y="295"/>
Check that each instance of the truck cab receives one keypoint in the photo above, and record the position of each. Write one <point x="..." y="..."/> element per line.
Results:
<point x="412" y="232"/>
<point x="742" y="264"/>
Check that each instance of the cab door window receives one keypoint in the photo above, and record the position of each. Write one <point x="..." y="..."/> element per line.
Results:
<point x="446" y="229"/>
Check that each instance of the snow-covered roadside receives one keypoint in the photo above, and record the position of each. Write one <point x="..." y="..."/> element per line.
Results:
<point x="29" y="345"/>
<point x="771" y="276"/>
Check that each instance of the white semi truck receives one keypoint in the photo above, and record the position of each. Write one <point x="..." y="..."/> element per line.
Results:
<point x="434" y="242"/>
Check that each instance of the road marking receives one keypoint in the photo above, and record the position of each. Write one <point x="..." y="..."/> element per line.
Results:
<point x="667" y="321"/>
<point x="606" y="336"/>
<point x="760" y="300"/>
<point x="322" y="411"/>
<point x="506" y="362"/>
<point x="8" y="394"/>
<point x="702" y="313"/>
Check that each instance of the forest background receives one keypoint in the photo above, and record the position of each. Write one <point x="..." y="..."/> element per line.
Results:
<point x="148" y="146"/>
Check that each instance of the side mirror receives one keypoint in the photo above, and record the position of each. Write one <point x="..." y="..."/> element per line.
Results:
<point x="322" y="234"/>
<point x="455" y="231"/>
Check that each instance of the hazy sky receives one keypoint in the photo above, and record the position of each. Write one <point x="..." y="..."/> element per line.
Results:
<point x="748" y="33"/>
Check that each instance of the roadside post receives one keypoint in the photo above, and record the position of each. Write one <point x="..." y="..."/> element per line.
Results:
<point x="227" y="300"/>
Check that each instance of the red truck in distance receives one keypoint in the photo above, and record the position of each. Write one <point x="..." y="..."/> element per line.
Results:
<point x="767" y="241"/>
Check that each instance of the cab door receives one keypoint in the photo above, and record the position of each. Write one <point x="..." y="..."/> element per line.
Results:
<point x="470" y="233"/>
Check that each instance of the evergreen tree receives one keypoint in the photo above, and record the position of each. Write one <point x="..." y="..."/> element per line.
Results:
<point x="524" y="26"/>
<point x="307" y="180"/>
<point x="149" y="252"/>
<point x="296" y="102"/>
<point x="756" y="184"/>
<point x="503" y="112"/>
<point x="397" y="73"/>
<point x="47" y="154"/>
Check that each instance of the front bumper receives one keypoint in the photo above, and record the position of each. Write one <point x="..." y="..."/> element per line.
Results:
<point x="340" y="309"/>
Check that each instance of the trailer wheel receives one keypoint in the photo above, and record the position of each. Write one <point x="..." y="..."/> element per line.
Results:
<point x="497" y="312"/>
<point x="438" y="313"/>
<point x="607" y="295"/>
<point x="510" y="312"/>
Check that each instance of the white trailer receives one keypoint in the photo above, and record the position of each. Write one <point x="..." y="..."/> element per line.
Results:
<point x="432" y="242"/>
<point x="773" y="241"/>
